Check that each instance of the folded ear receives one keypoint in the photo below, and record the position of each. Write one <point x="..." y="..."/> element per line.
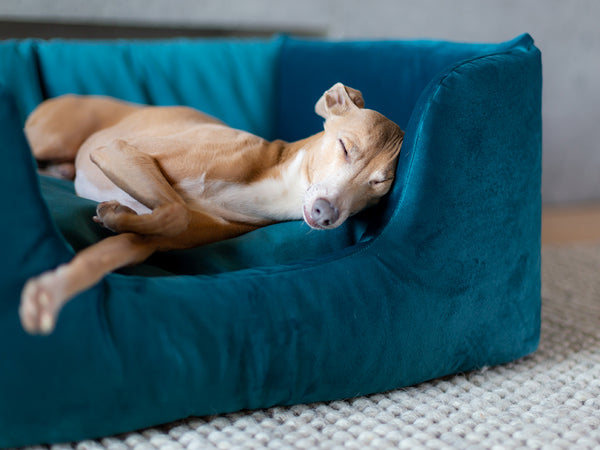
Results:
<point x="338" y="101"/>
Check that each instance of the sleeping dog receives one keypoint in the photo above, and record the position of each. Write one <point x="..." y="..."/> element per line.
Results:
<point x="172" y="177"/>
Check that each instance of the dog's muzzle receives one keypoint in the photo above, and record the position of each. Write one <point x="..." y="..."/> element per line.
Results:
<point x="322" y="214"/>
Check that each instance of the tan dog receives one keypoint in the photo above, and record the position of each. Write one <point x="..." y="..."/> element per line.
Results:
<point x="172" y="178"/>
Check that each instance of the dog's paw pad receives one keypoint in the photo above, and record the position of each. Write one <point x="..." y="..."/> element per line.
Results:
<point x="39" y="307"/>
<point x="110" y="214"/>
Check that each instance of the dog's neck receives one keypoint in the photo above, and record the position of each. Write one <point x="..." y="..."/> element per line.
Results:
<point x="289" y="153"/>
<point x="272" y="191"/>
<point x="282" y="185"/>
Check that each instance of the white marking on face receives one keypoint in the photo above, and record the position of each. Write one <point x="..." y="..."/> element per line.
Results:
<point x="331" y="189"/>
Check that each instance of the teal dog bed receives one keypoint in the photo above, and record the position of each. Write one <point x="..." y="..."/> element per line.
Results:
<point x="441" y="277"/>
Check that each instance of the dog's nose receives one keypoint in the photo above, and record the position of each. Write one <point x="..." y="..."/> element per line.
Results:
<point x="324" y="213"/>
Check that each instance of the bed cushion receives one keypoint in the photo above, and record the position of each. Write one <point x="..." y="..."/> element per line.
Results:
<point x="282" y="243"/>
<point x="443" y="277"/>
<point x="232" y="80"/>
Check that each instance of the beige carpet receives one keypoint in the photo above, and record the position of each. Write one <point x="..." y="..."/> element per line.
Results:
<point x="548" y="400"/>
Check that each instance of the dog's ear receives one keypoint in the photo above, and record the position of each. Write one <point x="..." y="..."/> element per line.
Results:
<point x="338" y="101"/>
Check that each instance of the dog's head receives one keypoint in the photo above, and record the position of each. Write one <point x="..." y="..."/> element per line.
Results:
<point x="356" y="163"/>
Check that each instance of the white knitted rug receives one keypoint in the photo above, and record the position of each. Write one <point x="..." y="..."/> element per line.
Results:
<point x="550" y="399"/>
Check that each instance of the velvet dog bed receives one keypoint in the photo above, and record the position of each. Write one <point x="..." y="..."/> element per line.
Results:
<point x="443" y="276"/>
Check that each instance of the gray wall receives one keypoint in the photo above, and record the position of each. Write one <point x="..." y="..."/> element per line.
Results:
<point x="566" y="31"/>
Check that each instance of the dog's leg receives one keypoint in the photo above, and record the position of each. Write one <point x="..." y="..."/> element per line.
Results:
<point x="167" y="220"/>
<point x="56" y="129"/>
<point x="43" y="296"/>
<point x="204" y="228"/>
<point x="139" y="175"/>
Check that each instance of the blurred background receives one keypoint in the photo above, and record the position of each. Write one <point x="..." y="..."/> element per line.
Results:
<point x="566" y="31"/>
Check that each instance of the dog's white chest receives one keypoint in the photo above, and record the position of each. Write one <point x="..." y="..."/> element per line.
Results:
<point x="270" y="199"/>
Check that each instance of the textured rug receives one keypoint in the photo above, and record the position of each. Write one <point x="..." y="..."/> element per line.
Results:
<point x="550" y="399"/>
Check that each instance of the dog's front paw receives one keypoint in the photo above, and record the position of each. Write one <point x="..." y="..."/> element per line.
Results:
<point x="41" y="301"/>
<point x="110" y="215"/>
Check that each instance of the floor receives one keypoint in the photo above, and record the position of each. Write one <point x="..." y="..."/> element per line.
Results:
<point x="571" y="224"/>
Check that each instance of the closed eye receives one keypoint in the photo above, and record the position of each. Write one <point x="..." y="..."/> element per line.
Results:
<point x="344" y="149"/>
<point x="378" y="181"/>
